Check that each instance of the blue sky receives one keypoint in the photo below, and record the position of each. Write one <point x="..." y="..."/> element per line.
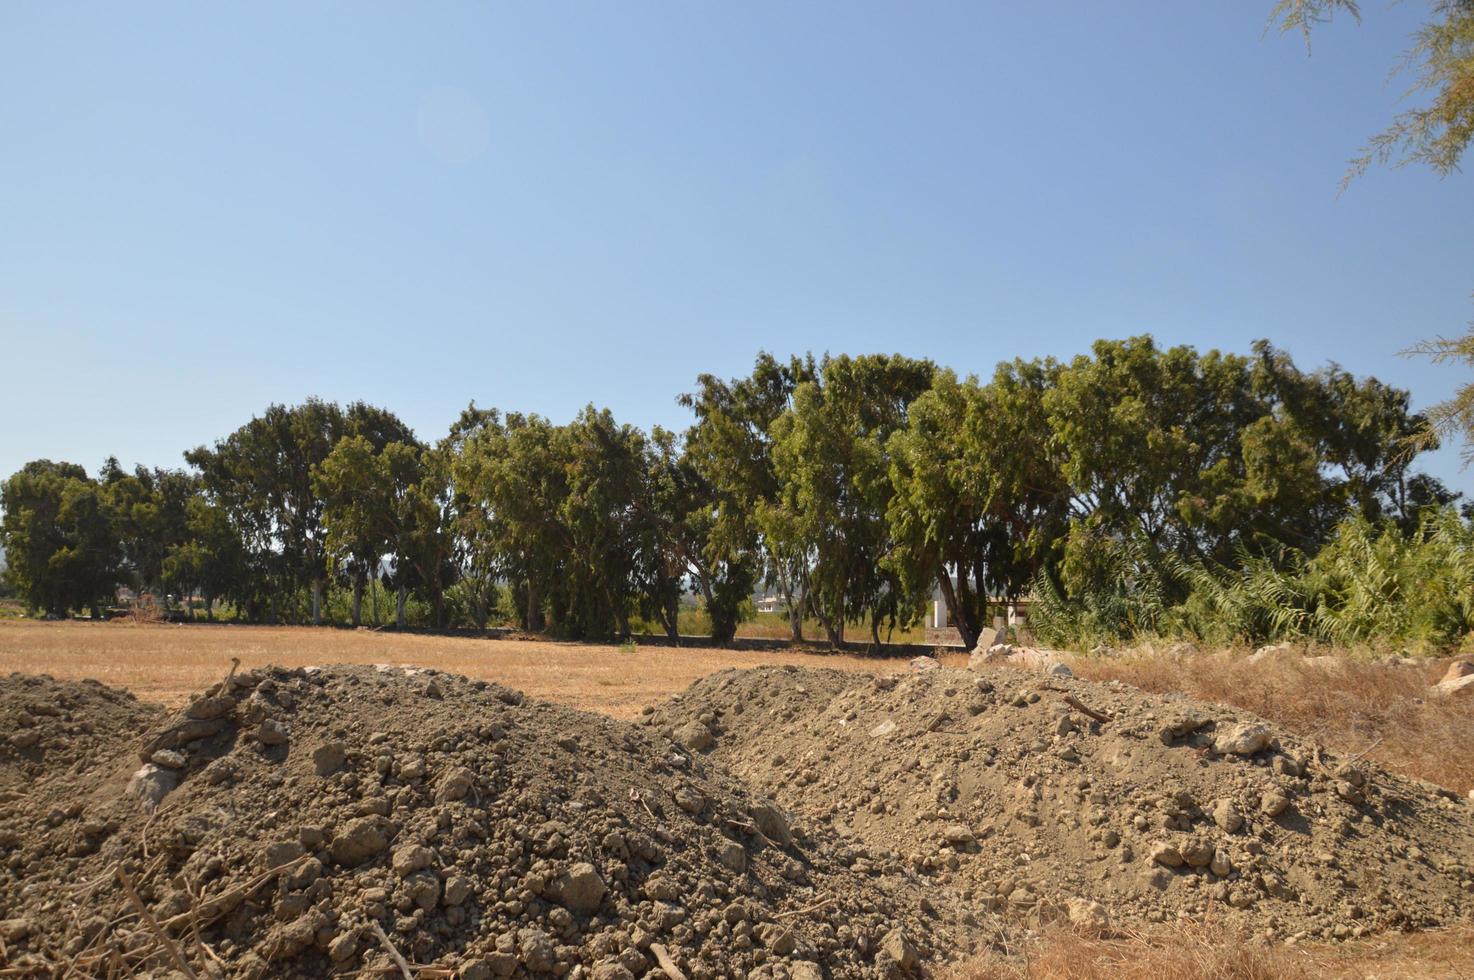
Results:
<point x="207" y="208"/>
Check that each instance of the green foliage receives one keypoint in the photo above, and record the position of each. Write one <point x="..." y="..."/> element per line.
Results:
<point x="1369" y="584"/>
<point x="60" y="539"/>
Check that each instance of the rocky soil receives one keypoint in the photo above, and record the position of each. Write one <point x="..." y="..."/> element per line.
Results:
<point x="1039" y="796"/>
<point x="777" y="823"/>
<point x="328" y="821"/>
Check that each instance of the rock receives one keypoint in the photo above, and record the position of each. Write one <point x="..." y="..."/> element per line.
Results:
<point x="804" y="970"/>
<point x="732" y="855"/>
<point x="535" y="949"/>
<point x="14" y="930"/>
<point x="1197" y="853"/>
<point x="210" y="707"/>
<point x="885" y="728"/>
<point x="898" y="948"/>
<point x="1165" y="855"/>
<point x="772" y="823"/>
<point x="695" y="736"/>
<point x="343" y="948"/>
<point x="1457" y="686"/>
<point x="458" y="888"/>
<point x="580" y="889"/>
<point x="1273" y="802"/>
<point x="920" y="665"/>
<point x="271" y="732"/>
<point x="959" y="836"/>
<point x="613" y="970"/>
<point x="1245" y="739"/>
<point x="1457" y="669"/>
<point x="1227" y="816"/>
<point x="411" y="858"/>
<point x="1087" y="915"/>
<point x="423" y="888"/>
<point x="329" y="757"/>
<point x="454" y="785"/>
<point x="280" y="853"/>
<point x="168" y="759"/>
<point x="359" y="840"/>
<point x="150" y="784"/>
<point x="1220" y="865"/>
<point x="1060" y="670"/>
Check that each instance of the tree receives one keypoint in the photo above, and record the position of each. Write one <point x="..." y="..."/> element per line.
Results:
<point x="829" y="453"/>
<point x="730" y="449"/>
<point x="149" y="510"/>
<point x="354" y="488"/>
<point x="59" y="538"/>
<point x="211" y="559"/>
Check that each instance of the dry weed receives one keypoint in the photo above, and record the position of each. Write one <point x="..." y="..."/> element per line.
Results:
<point x="1351" y="705"/>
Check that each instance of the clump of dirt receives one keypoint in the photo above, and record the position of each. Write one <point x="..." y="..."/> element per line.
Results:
<point x="1042" y="796"/>
<point x="332" y="821"/>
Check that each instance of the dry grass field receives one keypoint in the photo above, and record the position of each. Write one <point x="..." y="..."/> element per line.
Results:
<point x="163" y="662"/>
<point x="1353" y="707"/>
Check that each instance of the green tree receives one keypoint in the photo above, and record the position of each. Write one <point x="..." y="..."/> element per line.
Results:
<point x="729" y="448"/>
<point x="829" y="452"/>
<point x="211" y="558"/>
<point x="59" y="538"/>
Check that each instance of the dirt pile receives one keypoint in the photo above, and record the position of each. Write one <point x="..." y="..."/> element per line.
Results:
<point x="330" y="821"/>
<point x="1043" y="796"/>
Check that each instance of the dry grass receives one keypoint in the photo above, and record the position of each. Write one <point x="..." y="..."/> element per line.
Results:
<point x="1201" y="952"/>
<point x="167" y="663"/>
<point x="1351" y="705"/>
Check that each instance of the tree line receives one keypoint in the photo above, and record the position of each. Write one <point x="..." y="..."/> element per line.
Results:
<point x="854" y="487"/>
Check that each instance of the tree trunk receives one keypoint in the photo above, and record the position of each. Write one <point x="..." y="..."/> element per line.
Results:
<point x="399" y="600"/>
<point x="673" y="620"/>
<point x="960" y="617"/>
<point x="357" y="599"/>
<point x="875" y="632"/>
<point x="316" y="602"/>
<point x="534" y="608"/>
<point x="209" y="608"/>
<point x="374" y="596"/>
<point x="795" y="621"/>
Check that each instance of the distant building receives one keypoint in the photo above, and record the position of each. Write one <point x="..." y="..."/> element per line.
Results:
<point x="767" y="603"/>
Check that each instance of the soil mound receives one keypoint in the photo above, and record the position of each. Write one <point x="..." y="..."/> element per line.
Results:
<point x="1041" y="796"/>
<point x="332" y="821"/>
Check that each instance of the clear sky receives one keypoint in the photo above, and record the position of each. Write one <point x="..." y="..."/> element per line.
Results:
<point x="205" y="208"/>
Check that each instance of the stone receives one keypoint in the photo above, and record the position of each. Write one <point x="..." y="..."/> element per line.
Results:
<point x="423" y="888"/>
<point x="899" y="949"/>
<point x="168" y="759"/>
<point x="1197" y="853"/>
<point x="1087" y="915"/>
<point x="772" y="823"/>
<point x="804" y="970"/>
<point x="272" y="732"/>
<point x="458" y="888"/>
<point x="411" y="858"/>
<point x="1227" y="816"/>
<point x="1273" y="802"/>
<point x="14" y="930"/>
<point x="454" y="785"/>
<point x="959" y="836"/>
<point x="150" y="784"/>
<point x="329" y="757"/>
<point x="1165" y="855"/>
<point x="210" y="707"/>
<point x="882" y="730"/>
<point x="1457" y="669"/>
<point x="1221" y="865"/>
<point x="282" y="852"/>
<point x="536" y="950"/>
<point x="359" y="840"/>
<point x="1245" y="739"/>
<point x="1456" y="686"/>
<point x="921" y="665"/>
<point x="612" y="970"/>
<point x="732" y="855"/>
<point x="695" y="736"/>
<point x="343" y="948"/>
<point x="1060" y="670"/>
<point x="580" y="889"/>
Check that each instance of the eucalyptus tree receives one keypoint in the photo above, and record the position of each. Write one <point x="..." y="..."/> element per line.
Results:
<point x="730" y="449"/>
<point x="829" y="453"/>
<point x="60" y="538"/>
